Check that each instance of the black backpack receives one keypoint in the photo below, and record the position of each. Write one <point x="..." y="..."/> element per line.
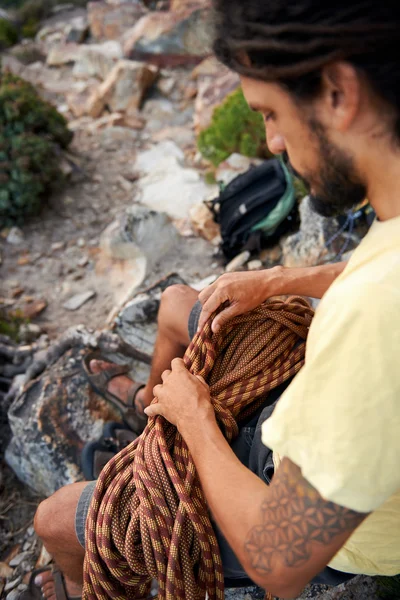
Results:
<point x="255" y="209"/>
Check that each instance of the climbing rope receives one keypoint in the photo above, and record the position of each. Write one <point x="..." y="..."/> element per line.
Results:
<point x="148" y="518"/>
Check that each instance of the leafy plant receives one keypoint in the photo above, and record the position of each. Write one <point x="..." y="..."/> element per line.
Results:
<point x="8" y="34"/>
<point x="234" y="128"/>
<point x="32" y="133"/>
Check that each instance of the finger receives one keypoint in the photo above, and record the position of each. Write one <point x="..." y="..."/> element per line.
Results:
<point x="224" y="316"/>
<point x="153" y="410"/>
<point x="209" y="307"/>
<point x="157" y="390"/>
<point x="165" y="375"/>
<point x="178" y="365"/>
<point x="206" y="293"/>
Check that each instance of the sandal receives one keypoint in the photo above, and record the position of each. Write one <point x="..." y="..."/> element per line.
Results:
<point x="95" y="455"/>
<point x="99" y="382"/>
<point x="35" y="593"/>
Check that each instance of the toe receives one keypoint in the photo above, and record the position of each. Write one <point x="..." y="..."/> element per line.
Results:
<point x="44" y="578"/>
<point x="48" y="590"/>
<point x="96" y="366"/>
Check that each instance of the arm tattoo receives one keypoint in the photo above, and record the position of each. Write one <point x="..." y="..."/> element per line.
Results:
<point x="294" y="516"/>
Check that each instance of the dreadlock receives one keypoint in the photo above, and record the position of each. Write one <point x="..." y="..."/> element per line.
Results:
<point x="290" y="41"/>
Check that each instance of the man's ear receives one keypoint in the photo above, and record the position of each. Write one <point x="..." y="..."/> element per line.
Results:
<point x="341" y="95"/>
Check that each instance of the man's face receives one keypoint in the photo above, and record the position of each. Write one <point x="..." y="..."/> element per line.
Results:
<point x="328" y="171"/>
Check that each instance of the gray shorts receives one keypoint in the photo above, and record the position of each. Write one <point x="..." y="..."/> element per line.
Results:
<point x="250" y="450"/>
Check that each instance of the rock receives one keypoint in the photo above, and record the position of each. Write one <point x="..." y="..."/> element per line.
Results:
<point x="199" y="286"/>
<point x="306" y="248"/>
<point x="239" y="261"/>
<point x="78" y="300"/>
<point x="12" y="584"/>
<point x="165" y="180"/>
<point x="166" y="85"/>
<point x="211" y="92"/>
<point x="29" y="332"/>
<point x="81" y="242"/>
<point x="170" y="38"/>
<point x="124" y="88"/>
<point x="210" y="66"/>
<point x="111" y="120"/>
<point x="57" y="246"/>
<point x="13" y="595"/>
<point x="233" y="166"/>
<point x="15" y="236"/>
<point x="136" y="324"/>
<point x="271" y="256"/>
<point x="5" y="570"/>
<point x="77" y="30"/>
<point x="44" y="558"/>
<point x="77" y="101"/>
<point x="130" y="247"/>
<point x="202" y="222"/>
<point x="51" y="421"/>
<point x="254" y="265"/>
<point x="17" y="560"/>
<point x="63" y="54"/>
<point x="32" y="309"/>
<point x="182" y="136"/>
<point x="97" y="60"/>
<point x="110" y="22"/>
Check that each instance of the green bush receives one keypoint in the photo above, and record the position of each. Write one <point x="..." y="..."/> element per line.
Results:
<point x="8" y="34"/>
<point x="234" y="128"/>
<point x="31" y="135"/>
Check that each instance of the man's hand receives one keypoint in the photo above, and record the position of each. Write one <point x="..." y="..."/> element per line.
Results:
<point x="182" y="398"/>
<point x="243" y="291"/>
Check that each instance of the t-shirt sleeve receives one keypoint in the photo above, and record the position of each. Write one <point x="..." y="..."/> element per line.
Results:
<point x="339" y="420"/>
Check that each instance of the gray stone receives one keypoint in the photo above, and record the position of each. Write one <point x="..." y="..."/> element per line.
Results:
<point x="136" y="324"/>
<point x="254" y="265"/>
<point x="13" y="595"/>
<point x="17" y="560"/>
<point x="170" y="38"/>
<point x="239" y="261"/>
<point x="167" y="185"/>
<point x="10" y="585"/>
<point x="78" y="300"/>
<point x="307" y="247"/>
<point x="15" y="236"/>
<point x="96" y="60"/>
<point x="234" y="166"/>
<point x="77" y="30"/>
<point x="108" y="21"/>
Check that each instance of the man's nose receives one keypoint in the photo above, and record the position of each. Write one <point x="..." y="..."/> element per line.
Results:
<point x="276" y="143"/>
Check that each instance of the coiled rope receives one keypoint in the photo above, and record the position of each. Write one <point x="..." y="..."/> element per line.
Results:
<point x="148" y="518"/>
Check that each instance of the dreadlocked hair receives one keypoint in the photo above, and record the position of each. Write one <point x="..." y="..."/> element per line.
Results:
<point x="290" y="41"/>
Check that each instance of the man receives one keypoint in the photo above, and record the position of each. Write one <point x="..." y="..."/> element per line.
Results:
<point x="325" y="77"/>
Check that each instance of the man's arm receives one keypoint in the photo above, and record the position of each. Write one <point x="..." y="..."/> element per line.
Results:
<point x="283" y="534"/>
<point x="245" y="291"/>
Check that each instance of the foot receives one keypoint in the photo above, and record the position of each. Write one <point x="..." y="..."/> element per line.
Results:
<point x="47" y="585"/>
<point x="120" y="385"/>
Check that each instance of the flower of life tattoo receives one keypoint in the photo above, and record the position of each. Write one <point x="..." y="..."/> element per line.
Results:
<point x="292" y="518"/>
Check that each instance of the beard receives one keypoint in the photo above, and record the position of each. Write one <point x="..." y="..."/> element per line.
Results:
<point x="339" y="187"/>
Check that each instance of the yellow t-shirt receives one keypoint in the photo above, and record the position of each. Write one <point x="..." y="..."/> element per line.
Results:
<point x="339" y="420"/>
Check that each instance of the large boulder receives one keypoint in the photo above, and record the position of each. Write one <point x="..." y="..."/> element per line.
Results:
<point x="110" y="22"/>
<point x="166" y="184"/>
<point x="171" y="38"/>
<point x="97" y="60"/>
<point x="123" y="89"/>
<point x="212" y="90"/>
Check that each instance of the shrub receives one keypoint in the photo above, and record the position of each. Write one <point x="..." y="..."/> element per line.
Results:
<point x="8" y="34"/>
<point x="31" y="135"/>
<point x="234" y="128"/>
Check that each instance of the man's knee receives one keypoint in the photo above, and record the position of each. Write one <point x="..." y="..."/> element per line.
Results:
<point x="175" y="306"/>
<point x="54" y="520"/>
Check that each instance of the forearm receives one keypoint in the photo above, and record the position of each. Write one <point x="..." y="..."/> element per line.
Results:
<point x="307" y="281"/>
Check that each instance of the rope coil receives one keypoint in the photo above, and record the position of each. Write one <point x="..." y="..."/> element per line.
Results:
<point x="148" y="518"/>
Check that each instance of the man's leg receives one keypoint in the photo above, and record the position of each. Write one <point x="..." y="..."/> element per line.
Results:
<point x="55" y="526"/>
<point x="172" y="340"/>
